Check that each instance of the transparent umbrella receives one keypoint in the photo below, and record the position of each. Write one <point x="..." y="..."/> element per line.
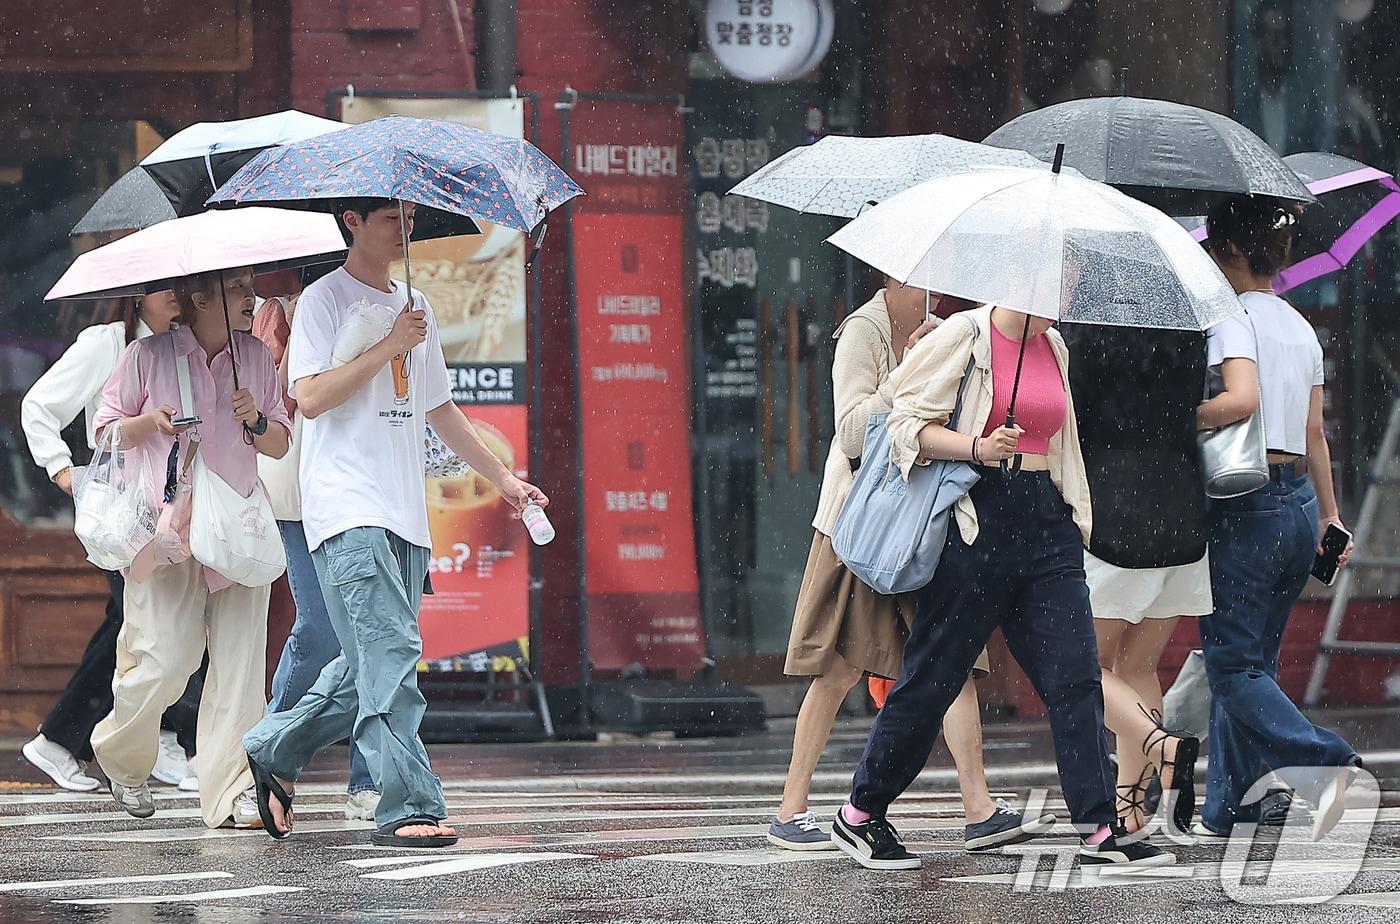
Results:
<point x="842" y="175"/>
<point x="1047" y="244"/>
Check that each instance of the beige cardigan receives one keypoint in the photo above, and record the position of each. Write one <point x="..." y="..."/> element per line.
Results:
<point x="860" y="373"/>
<point x="925" y="387"/>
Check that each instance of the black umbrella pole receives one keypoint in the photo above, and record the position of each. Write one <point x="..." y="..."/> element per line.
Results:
<point x="1015" y="465"/>
<point x="232" y="357"/>
<point x="407" y="274"/>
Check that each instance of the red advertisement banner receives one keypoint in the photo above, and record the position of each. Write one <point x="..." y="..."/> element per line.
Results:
<point x="630" y="278"/>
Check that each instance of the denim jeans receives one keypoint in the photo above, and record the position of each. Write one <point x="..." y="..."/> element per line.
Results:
<point x="312" y="643"/>
<point x="1024" y="573"/>
<point x="373" y="585"/>
<point x="1262" y="548"/>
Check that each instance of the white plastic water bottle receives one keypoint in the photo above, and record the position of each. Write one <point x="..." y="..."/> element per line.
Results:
<point x="541" y="530"/>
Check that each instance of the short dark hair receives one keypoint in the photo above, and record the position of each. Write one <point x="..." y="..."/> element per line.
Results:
<point x="1260" y="226"/>
<point x="362" y="206"/>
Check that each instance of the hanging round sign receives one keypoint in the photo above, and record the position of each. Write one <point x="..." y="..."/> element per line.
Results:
<point x="769" y="41"/>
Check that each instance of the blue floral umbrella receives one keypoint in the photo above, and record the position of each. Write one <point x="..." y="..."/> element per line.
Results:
<point x="454" y="173"/>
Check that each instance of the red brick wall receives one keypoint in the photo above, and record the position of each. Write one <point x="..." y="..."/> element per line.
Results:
<point x="326" y="55"/>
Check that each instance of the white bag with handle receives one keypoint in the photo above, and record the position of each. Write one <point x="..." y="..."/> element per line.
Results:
<point x="237" y="536"/>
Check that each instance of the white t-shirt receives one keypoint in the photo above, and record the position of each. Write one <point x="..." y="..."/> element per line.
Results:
<point x="362" y="462"/>
<point x="1289" y="357"/>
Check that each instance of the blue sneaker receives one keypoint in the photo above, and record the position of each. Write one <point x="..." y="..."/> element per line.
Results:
<point x="802" y="833"/>
<point x="1006" y="826"/>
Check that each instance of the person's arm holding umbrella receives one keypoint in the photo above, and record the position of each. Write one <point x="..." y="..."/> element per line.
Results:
<point x="317" y="394"/>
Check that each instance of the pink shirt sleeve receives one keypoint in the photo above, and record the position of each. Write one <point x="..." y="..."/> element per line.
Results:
<point x="268" y="392"/>
<point x="125" y="392"/>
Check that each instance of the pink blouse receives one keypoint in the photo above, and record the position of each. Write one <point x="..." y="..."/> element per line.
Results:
<point x="146" y="378"/>
<point x="1040" y="403"/>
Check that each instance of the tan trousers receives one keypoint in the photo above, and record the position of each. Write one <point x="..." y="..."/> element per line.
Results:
<point x="170" y="619"/>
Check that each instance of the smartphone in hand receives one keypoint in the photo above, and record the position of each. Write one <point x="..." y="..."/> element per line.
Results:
<point x="1334" y="543"/>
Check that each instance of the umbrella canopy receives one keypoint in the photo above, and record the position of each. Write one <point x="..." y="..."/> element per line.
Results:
<point x="453" y="172"/>
<point x="135" y="201"/>
<point x="1355" y="202"/>
<point x="1056" y="246"/>
<point x="1179" y="158"/>
<point x="192" y="163"/>
<point x="841" y="175"/>
<point x="260" y="237"/>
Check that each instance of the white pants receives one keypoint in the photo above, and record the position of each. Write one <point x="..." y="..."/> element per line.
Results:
<point x="170" y="619"/>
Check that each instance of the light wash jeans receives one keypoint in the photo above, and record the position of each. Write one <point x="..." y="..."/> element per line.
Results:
<point x="312" y="644"/>
<point x="373" y="585"/>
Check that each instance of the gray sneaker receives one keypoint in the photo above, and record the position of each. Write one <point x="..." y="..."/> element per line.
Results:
<point x="1006" y="826"/>
<point x="134" y="800"/>
<point x="802" y="833"/>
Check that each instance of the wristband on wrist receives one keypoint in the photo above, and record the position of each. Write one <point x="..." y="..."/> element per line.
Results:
<point x="976" y="445"/>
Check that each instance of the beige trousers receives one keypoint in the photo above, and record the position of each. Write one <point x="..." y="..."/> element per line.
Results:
<point x="170" y="619"/>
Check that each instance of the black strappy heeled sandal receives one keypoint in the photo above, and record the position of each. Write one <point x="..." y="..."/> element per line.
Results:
<point x="1132" y="802"/>
<point x="1180" y="793"/>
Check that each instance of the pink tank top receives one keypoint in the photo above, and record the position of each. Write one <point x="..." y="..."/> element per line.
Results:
<point x="1040" y="404"/>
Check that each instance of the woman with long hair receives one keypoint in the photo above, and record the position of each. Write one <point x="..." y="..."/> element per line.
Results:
<point x="843" y="630"/>
<point x="72" y="386"/>
<point x="1267" y="359"/>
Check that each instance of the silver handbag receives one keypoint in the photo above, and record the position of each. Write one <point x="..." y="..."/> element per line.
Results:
<point x="1235" y="457"/>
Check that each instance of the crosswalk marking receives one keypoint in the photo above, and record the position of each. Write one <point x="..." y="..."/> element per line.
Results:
<point x="218" y="895"/>
<point x="111" y="880"/>
<point x="467" y="864"/>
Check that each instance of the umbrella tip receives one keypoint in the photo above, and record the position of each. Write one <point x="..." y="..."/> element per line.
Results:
<point x="1123" y="81"/>
<point x="1059" y="158"/>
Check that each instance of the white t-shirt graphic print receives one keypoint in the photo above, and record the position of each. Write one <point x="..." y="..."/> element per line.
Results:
<point x="362" y="462"/>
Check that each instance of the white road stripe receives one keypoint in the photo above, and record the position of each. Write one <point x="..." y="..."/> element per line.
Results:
<point x="467" y="864"/>
<point x="218" y="895"/>
<point x="115" y="880"/>
<point x="201" y="833"/>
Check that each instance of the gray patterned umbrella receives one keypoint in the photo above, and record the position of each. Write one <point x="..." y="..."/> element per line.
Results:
<point x="1176" y="157"/>
<point x="841" y="175"/>
<point x="135" y="201"/>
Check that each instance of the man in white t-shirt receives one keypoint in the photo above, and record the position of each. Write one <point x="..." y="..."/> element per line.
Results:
<point x="366" y="524"/>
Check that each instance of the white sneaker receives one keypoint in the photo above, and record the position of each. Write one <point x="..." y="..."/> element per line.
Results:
<point x="189" y="784"/>
<point x="135" y="800"/>
<point x="61" y="766"/>
<point x="172" y="767"/>
<point x="361" y="806"/>
<point x="245" y="811"/>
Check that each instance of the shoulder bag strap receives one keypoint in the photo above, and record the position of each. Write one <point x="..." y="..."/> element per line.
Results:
<point x="967" y="373"/>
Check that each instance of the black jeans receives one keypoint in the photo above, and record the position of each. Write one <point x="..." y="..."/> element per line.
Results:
<point x="1024" y="573"/>
<point x="87" y="698"/>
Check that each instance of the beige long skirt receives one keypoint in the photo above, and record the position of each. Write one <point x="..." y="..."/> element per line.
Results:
<point x="838" y="614"/>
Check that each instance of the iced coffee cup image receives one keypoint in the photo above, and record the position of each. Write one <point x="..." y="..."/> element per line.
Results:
<point x="469" y="509"/>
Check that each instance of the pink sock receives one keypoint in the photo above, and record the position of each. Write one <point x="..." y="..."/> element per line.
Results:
<point x="854" y="815"/>
<point x="1099" y="836"/>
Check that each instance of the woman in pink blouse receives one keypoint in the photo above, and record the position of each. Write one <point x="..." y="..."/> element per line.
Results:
<point x="174" y="611"/>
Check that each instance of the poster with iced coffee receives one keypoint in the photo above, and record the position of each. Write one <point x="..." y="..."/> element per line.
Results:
<point x="478" y="613"/>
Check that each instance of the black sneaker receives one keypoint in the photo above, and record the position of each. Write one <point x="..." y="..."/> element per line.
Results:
<point x="874" y="845"/>
<point x="1005" y="826"/>
<point x="1279" y="808"/>
<point x="1122" y="850"/>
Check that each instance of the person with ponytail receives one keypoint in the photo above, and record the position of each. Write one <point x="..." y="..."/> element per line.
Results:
<point x="1262" y="544"/>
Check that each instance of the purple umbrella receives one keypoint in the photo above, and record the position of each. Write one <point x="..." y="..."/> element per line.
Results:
<point x="1355" y="203"/>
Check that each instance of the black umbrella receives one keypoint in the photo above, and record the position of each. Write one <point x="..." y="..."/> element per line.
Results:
<point x="1179" y="158"/>
<point x="134" y="202"/>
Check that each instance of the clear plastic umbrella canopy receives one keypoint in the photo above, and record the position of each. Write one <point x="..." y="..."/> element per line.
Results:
<point x="1056" y="246"/>
<point x="842" y="176"/>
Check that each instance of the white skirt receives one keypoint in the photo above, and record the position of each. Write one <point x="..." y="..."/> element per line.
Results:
<point x="1135" y="594"/>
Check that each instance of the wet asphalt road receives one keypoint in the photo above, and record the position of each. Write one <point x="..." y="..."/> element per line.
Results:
<point x="648" y="831"/>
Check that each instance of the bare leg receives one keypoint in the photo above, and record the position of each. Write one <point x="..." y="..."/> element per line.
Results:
<point x="1129" y="655"/>
<point x="962" y="732"/>
<point x="814" y="721"/>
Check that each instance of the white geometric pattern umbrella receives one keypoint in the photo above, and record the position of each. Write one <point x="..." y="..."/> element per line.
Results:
<point x="841" y="175"/>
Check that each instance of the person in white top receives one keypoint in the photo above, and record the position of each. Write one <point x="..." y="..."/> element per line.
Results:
<point x="72" y="386"/>
<point x="364" y="512"/>
<point x="1263" y="544"/>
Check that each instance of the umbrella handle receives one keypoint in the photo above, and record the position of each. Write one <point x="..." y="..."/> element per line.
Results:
<point x="1011" y="466"/>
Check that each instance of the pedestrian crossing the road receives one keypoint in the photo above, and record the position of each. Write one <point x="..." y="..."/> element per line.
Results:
<point x="578" y="830"/>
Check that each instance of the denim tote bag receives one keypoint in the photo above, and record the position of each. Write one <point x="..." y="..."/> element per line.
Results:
<point x="890" y="532"/>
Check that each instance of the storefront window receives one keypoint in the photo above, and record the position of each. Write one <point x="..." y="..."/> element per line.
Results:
<point x="49" y="176"/>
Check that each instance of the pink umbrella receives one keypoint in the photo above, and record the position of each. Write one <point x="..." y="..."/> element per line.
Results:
<point x="264" y="238"/>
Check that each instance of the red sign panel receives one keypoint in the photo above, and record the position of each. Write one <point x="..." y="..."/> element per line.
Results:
<point x="629" y="252"/>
